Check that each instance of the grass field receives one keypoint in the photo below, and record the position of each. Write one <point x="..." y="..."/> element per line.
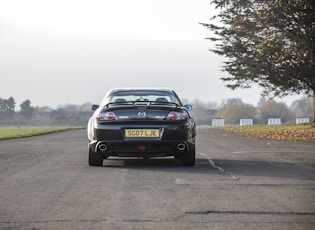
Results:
<point x="24" y="131"/>
<point x="304" y="132"/>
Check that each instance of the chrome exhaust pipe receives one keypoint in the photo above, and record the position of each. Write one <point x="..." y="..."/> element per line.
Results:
<point x="102" y="147"/>
<point x="181" y="146"/>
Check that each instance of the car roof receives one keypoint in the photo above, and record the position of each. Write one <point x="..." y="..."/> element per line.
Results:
<point x="141" y="89"/>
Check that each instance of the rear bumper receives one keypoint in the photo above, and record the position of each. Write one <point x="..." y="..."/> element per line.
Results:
<point x="173" y="141"/>
<point x="141" y="148"/>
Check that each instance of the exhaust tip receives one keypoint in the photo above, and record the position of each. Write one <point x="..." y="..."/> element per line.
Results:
<point x="181" y="146"/>
<point x="102" y="147"/>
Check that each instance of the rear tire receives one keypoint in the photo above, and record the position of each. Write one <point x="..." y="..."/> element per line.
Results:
<point x="95" y="159"/>
<point x="189" y="159"/>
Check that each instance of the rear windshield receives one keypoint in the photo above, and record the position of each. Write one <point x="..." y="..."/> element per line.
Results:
<point x="137" y="95"/>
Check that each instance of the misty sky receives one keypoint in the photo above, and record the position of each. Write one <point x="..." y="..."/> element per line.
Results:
<point x="57" y="52"/>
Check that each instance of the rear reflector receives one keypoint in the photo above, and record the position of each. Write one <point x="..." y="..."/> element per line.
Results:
<point x="142" y="147"/>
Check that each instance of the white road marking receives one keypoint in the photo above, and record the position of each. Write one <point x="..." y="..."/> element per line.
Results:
<point x="222" y="170"/>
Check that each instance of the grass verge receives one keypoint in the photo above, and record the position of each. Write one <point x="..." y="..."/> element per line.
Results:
<point x="303" y="132"/>
<point x="25" y="131"/>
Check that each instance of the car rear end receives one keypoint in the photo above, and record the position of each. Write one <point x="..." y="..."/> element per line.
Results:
<point x="145" y="129"/>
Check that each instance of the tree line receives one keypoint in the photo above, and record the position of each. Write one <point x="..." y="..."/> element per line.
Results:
<point x="231" y="110"/>
<point x="234" y="109"/>
<point x="67" y="115"/>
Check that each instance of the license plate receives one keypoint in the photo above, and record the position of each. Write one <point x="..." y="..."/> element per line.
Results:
<point x="142" y="133"/>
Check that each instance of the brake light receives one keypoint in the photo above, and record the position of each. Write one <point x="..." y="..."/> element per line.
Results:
<point x="177" y="116"/>
<point x="106" y="116"/>
<point x="172" y="116"/>
<point x="110" y="116"/>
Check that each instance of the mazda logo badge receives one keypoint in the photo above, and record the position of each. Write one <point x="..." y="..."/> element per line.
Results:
<point x="141" y="114"/>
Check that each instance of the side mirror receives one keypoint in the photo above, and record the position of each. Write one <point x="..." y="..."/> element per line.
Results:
<point x="188" y="107"/>
<point x="95" y="107"/>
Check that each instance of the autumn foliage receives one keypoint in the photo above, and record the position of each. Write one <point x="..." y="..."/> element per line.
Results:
<point x="280" y="132"/>
<point x="269" y="43"/>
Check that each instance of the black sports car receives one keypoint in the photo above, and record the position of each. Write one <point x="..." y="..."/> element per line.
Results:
<point x="150" y="122"/>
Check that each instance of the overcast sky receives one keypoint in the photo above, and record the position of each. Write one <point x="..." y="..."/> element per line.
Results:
<point x="57" y="52"/>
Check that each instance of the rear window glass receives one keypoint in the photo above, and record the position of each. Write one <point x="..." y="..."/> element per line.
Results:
<point x="132" y="96"/>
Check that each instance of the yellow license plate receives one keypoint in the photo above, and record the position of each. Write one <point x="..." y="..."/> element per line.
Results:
<point x="142" y="133"/>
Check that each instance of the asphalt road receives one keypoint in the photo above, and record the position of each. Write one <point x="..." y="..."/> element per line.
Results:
<point x="237" y="183"/>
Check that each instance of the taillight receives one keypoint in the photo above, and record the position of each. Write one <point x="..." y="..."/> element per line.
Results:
<point x="106" y="116"/>
<point x="177" y="116"/>
<point x="172" y="116"/>
<point x="110" y="116"/>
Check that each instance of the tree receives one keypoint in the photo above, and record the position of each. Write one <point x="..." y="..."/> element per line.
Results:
<point x="27" y="111"/>
<point x="200" y="112"/>
<point x="234" y="109"/>
<point x="262" y="101"/>
<point x="7" y="108"/>
<point x="269" y="43"/>
<point x="273" y="109"/>
<point x="302" y="107"/>
<point x="71" y="115"/>
<point x="231" y="101"/>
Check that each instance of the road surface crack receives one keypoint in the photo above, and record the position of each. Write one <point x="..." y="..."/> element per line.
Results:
<point x="208" y="212"/>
